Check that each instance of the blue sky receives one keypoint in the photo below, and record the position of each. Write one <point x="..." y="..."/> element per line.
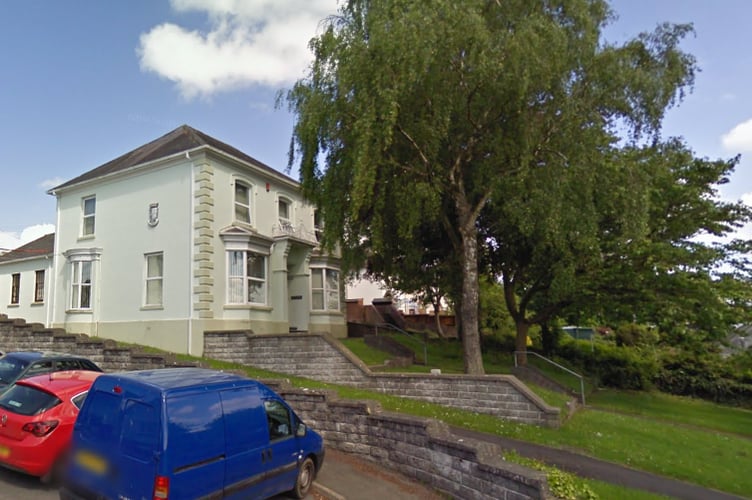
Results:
<point x="85" y="81"/>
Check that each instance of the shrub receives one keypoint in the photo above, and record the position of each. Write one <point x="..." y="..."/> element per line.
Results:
<point x="703" y="375"/>
<point x="634" y="334"/>
<point x="611" y="366"/>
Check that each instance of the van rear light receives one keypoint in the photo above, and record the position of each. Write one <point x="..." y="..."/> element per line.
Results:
<point x="40" y="429"/>
<point x="161" y="488"/>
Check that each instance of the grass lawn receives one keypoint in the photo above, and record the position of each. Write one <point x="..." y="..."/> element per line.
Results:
<point x="683" y="438"/>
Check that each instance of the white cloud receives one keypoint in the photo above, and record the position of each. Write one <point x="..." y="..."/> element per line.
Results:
<point x="10" y="240"/>
<point x="250" y="42"/>
<point x="739" y="138"/>
<point x="51" y="183"/>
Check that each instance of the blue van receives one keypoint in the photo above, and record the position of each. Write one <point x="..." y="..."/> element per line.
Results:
<point x="188" y="433"/>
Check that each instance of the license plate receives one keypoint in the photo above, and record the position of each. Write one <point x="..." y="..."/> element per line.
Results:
<point x="4" y="452"/>
<point x="91" y="462"/>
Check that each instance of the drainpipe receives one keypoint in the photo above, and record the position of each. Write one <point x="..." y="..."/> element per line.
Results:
<point x="55" y="264"/>
<point x="191" y="253"/>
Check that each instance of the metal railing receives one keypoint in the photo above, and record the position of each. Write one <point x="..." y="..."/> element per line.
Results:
<point x="397" y="329"/>
<point x="557" y="365"/>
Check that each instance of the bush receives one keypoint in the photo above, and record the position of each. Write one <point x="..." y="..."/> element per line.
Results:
<point x="611" y="366"/>
<point x="633" y="334"/>
<point x="703" y="376"/>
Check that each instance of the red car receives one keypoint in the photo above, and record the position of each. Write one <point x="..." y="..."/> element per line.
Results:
<point x="36" y="420"/>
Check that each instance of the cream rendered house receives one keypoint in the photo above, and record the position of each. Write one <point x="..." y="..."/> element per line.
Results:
<point x="25" y="280"/>
<point x="183" y="235"/>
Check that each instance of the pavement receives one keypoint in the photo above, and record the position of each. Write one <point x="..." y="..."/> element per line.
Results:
<point x="348" y="477"/>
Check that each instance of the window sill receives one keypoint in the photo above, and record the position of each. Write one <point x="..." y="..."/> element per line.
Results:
<point x="78" y="311"/>
<point x="333" y="312"/>
<point x="86" y="238"/>
<point x="37" y="304"/>
<point x="153" y="308"/>
<point x="253" y="307"/>
<point x="13" y="305"/>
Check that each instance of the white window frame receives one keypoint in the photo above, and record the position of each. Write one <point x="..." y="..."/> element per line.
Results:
<point x="284" y="222"/>
<point x="86" y="217"/>
<point x="327" y="293"/>
<point x="240" y="276"/>
<point x="78" y="285"/>
<point x="153" y="279"/>
<point x="237" y="204"/>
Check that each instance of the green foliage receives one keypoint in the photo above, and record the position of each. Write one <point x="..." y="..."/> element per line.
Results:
<point x="563" y="485"/>
<point x="493" y="315"/>
<point x="609" y="365"/>
<point x="486" y="131"/>
<point x="633" y="334"/>
<point x="703" y="375"/>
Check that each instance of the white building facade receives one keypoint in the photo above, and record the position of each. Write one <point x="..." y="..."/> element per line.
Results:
<point x="184" y="235"/>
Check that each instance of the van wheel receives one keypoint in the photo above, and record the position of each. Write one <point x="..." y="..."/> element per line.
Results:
<point x="306" y="473"/>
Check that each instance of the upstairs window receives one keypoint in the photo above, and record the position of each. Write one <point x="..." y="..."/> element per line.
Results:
<point x="246" y="278"/>
<point x="154" y="272"/>
<point x="39" y="286"/>
<point x="242" y="202"/>
<point x="324" y="289"/>
<point x="284" y="215"/>
<point x="15" y="288"/>
<point x="89" y="206"/>
<point x="81" y="285"/>
<point x="283" y="211"/>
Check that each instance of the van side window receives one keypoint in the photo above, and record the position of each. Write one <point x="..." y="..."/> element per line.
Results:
<point x="99" y="421"/>
<point x="278" y="418"/>
<point x="140" y="431"/>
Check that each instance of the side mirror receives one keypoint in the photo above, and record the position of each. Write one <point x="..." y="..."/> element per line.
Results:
<point x="301" y="430"/>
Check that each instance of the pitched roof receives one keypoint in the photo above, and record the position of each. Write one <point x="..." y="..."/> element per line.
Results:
<point x="183" y="138"/>
<point x="38" y="248"/>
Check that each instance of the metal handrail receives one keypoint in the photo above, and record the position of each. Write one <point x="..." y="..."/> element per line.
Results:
<point x="582" y="379"/>
<point x="400" y="330"/>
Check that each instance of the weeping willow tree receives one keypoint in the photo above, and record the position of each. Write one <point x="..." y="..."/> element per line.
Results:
<point x="417" y="113"/>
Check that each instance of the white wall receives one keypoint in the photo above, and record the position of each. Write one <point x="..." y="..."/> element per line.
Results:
<point x="26" y="308"/>
<point x="123" y="234"/>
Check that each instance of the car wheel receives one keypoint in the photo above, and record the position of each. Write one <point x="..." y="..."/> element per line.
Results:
<point x="306" y="473"/>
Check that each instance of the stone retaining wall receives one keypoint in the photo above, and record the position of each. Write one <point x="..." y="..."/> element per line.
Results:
<point x="422" y="449"/>
<point x="17" y="335"/>
<point x="320" y="357"/>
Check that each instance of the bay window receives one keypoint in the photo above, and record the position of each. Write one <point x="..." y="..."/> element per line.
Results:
<point x="81" y="285"/>
<point x="324" y="289"/>
<point x="246" y="277"/>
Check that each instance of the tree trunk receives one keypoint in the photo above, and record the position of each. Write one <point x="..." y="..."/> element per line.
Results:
<point x="437" y="317"/>
<point x="521" y="342"/>
<point x="470" y="285"/>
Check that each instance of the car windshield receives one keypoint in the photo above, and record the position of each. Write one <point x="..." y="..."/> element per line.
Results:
<point x="10" y="369"/>
<point x="28" y="401"/>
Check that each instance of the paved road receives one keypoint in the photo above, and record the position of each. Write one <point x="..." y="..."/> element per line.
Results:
<point x="344" y="477"/>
